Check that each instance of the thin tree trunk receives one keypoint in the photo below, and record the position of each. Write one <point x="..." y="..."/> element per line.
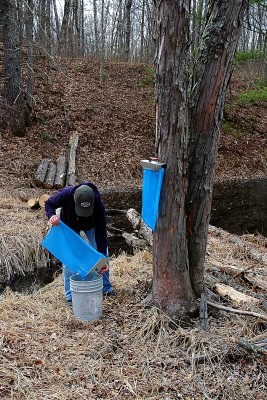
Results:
<point x="29" y="33"/>
<point x="96" y="27"/>
<point x="48" y="27"/>
<point x="127" y="29"/>
<point x="82" y="29"/>
<point x="142" y="31"/>
<point x="77" y="44"/>
<point x="101" y="72"/>
<point x="56" y="21"/>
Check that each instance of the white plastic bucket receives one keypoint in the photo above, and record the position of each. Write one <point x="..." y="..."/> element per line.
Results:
<point x="87" y="296"/>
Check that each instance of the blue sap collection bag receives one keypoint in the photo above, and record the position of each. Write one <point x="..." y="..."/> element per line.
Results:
<point x="152" y="182"/>
<point x="68" y="247"/>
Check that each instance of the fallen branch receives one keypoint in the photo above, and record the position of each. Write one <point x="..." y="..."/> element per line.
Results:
<point x="236" y="311"/>
<point x="254" y="347"/>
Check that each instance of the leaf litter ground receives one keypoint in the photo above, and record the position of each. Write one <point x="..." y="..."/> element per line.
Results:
<point x="132" y="352"/>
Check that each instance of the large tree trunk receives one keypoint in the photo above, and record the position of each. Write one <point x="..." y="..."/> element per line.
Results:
<point x="172" y="288"/>
<point x="187" y="140"/>
<point x="13" y="73"/>
<point x="211" y="78"/>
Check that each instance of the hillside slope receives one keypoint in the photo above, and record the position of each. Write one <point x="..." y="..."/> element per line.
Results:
<point x="116" y="126"/>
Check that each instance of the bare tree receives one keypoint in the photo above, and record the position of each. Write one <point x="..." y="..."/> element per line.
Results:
<point x="29" y="35"/>
<point x="96" y="27"/>
<point x="63" y="36"/>
<point x="102" y="46"/>
<point x="127" y="29"/>
<point x="13" y="88"/>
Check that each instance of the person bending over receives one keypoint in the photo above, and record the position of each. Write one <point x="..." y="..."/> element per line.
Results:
<point x="82" y="210"/>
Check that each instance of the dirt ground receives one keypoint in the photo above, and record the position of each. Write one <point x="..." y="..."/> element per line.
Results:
<point x="132" y="352"/>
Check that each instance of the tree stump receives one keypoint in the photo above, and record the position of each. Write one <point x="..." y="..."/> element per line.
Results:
<point x="40" y="173"/>
<point x="38" y="202"/>
<point x="61" y="172"/>
<point x="73" y="143"/>
<point x="42" y="199"/>
<point x="33" y="203"/>
<point x="50" y="176"/>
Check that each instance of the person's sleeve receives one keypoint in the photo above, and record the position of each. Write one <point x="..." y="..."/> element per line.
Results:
<point x="101" y="228"/>
<point x="54" y="202"/>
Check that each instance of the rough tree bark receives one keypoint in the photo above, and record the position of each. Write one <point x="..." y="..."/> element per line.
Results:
<point x="61" y="172"/>
<point x="13" y="87"/>
<point x="29" y="34"/>
<point x="40" y="173"/>
<point x="63" y="36"/>
<point x="187" y="121"/>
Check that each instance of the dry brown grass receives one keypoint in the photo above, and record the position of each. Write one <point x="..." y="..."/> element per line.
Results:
<point x="21" y="231"/>
<point x="131" y="353"/>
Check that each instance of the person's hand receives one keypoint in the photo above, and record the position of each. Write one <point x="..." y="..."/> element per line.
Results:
<point x="104" y="269"/>
<point x="54" y="220"/>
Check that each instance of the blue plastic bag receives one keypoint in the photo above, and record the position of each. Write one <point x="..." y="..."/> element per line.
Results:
<point x="152" y="182"/>
<point x="68" y="247"/>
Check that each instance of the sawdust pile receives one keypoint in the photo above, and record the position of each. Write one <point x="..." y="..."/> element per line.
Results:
<point x="132" y="352"/>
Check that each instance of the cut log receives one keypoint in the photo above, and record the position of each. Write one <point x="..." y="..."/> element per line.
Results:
<point x="61" y="172"/>
<point x="234" y="295"/>
<point x="231" y="269"/>
<point x="36" y="202"/>
<point x="143" y="230"/>
<point x="258" y="280"/>
<point x="71" y="173"/>
<point x="40" y="173"/>
<point x="33" y="203"/>
<point x="42" y="199"/>
<point x="135" y="242"/>
<point x="50" y="176"/>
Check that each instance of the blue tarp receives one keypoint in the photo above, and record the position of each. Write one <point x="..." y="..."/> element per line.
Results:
<point x="152" y="182"/>
<point x="73" y="251"/>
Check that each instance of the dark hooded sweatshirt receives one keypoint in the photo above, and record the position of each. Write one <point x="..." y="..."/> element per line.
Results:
<point x="64" y="199"/>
